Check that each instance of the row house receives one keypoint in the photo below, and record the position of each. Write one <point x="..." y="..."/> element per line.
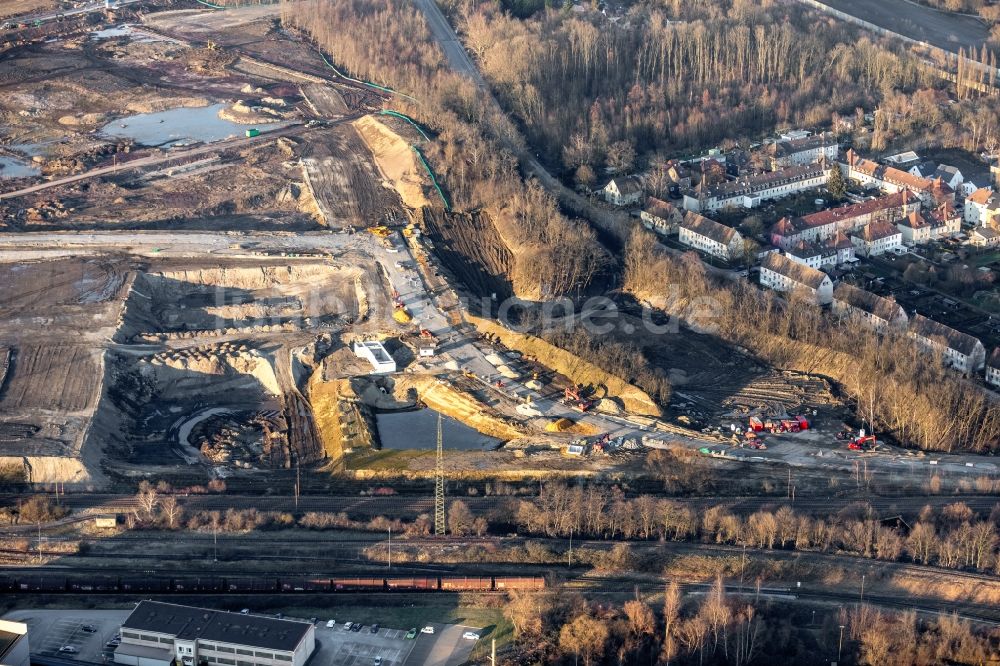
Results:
<point x="957" y="350"/>
<point x="780" y="273"/>
<point x="796" y="152"/>
<point x="984" y="237"/>
<point x="710" y="237"/>
<point x="945" y="222"/>
<point x="890" y="179"/>
<point x="915" y="229"/>
<point x="874" y="311"/>
<point x="661" y="216"/>
<point x="752" y="191"/>
<point x="825" y="224"/>
<point x="993" y="368"/>
<point x="982" y="207"/>
<point x="833" y="251"/>
<point x="877" y="238"/>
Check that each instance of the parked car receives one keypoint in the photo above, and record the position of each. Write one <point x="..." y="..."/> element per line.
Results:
<point x="357" y="627"/>
<point x="68" y="649"/>
<point x="348" y="626"/>
<point x="330" y="623"/>
<point x="427" y="630"/>
<point x="89" y="628"/>
<point x="412" y="633"/>
<point x="374" y="629"/>
<point x="245" y="611"/>
<point x="377" y="661"/>
<point x="471" y="635"/>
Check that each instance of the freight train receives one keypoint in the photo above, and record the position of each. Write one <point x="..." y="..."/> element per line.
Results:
<point x="68" y="583"/>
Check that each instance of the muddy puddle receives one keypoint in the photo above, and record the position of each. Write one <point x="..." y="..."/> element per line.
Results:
<point x="418" y="430"/>
<point x="180" y="126"/>
<point x="12" y="168"/>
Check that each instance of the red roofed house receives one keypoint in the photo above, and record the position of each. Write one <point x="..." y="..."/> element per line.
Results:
<point x="888" y="179"/>
<point x="945" y="221"/>
<point x="825" y="224"/>
<point x="981" y="206"/>
<point x="915" y="228"/>
<point x="877" y="238"/>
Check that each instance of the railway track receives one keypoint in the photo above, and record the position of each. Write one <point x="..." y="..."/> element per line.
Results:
<point x="405" y="505"/>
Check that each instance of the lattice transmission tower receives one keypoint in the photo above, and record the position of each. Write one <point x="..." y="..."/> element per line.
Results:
<point x="439" y="525"/>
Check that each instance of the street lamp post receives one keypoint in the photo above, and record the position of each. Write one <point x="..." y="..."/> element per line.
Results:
<point x="840" y="645"/>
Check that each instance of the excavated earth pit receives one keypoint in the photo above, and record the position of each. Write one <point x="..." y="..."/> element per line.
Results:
<point x="214" y="404"/>
<point x="173" y="303"/>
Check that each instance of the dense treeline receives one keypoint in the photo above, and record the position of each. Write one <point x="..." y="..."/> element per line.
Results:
<point x="902" y="391"/>
<point x="721" y="628"/>
<point x="389" y="44"/>
<point x="675" y="76"/>
<point x="953" y="538"/>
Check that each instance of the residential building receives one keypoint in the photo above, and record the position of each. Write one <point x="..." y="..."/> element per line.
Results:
<point x="751" y="191"/>
<point x="932" y="171"/>
<point x="993" y="368"/>
<point x="710" y="237"/>
<point x="982" y="207"/>
<point x="780" y="273"/>
<point x="886" y="178"/>
<point x="940" y="193"/>
<point x="623" y="191"/>
<point x="14" y="644"/>
<point x="984" y="237"/>
<point x="661" y="216"/>
<point x="915" y="228"/>
<point x="945" y="222"/>
<point x="957" y="350"/>
<point x="905" y="159"/>
<point x="160" y="634"/>
<point x="825" y="224"/>
<point x="877" y="238"/>
<point x="875" y="311"/>
<point x="838" y="249"/>
<point x="796" y="152"/>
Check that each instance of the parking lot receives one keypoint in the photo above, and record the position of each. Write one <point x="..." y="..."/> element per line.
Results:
<point x="49" y="630"/>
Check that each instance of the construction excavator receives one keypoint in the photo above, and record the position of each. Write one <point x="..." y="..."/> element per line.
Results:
<point x="866" y="443"/>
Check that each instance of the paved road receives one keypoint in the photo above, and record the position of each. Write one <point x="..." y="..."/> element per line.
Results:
<point x="944" y="30"/>
<point x="615" y="223"/>
<point x="85" y="9"/>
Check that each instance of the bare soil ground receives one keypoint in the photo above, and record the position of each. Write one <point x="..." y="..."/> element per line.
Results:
<point x="18" y="7"/>
<point x="396" y="161"/>
<point x="341" y="172"/>
<point x="58" y="378"/>
<point x="470" y="247"/>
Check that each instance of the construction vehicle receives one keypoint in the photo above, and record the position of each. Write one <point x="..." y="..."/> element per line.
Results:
<point x="867" y="443"/>
<point x="400" y="313"/>
<point x="381" y="231"/>
<point x="574" y="398"/>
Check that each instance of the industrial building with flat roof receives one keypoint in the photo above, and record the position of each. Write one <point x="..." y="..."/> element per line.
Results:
<point x="158" y="634"/>
<point x="13" y="643"/>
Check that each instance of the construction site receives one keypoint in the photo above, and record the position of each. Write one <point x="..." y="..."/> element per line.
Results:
<point x="222" y="257"/>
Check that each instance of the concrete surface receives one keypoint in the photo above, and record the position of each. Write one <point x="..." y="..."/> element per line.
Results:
<point x="445" y="647"/>
<point x="945" y="30"/>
